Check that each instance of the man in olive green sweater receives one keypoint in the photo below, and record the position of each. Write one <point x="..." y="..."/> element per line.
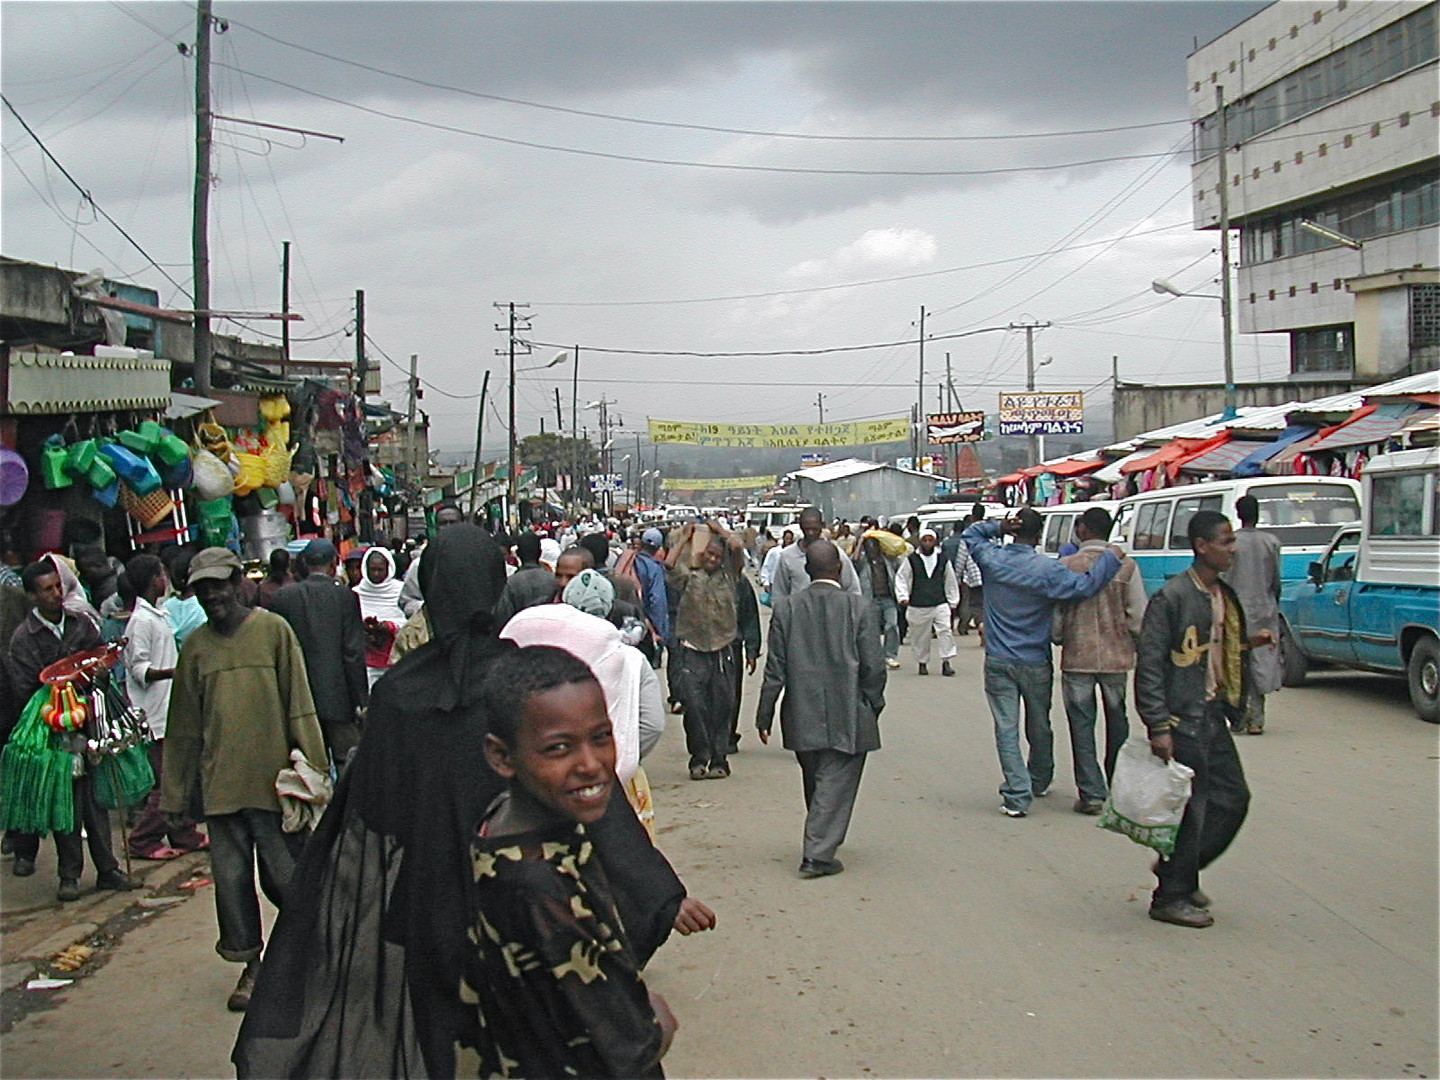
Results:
<point x="240" y="704"/>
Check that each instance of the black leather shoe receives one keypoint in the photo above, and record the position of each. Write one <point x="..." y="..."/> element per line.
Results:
<point x="69" y="890"/>
<point x="116" y="880"/>
<point x="1182" y="913"/>
<point x="923" y="670"/>
<point x="945" y="668"/>
<point x="239" y="999"/>
<point x="22" y="867"/>
<point x="813" y="868"/>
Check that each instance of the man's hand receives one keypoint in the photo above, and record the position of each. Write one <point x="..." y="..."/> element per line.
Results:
<point x="694" y="917"/>
<point x="1163" y="746"/>
<point x="764" y="733"/>
<point x="750" y="666"/>
<point x="1263" y="637"/>
<point x="1010" y="526"/>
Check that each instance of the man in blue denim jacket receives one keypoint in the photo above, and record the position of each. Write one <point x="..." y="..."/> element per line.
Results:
<point x="1021" y="588"/>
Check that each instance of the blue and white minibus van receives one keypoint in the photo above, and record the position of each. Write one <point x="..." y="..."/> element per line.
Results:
<point x="1302" y="512"/>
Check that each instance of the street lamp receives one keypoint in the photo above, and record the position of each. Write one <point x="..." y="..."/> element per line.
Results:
<point x="1160" y="285"/>
<point x="1336" y="238"/>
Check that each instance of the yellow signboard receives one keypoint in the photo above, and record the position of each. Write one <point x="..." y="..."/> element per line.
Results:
<point x="720" y="483"/>
<point x="856" y="433"/>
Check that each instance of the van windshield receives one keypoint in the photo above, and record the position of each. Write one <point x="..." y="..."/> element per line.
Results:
<point x="1301" y="514"/>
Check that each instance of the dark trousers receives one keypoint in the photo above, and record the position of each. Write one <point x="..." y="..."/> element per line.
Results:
<point x="152" y="830"/>
<point x="737" y="662"/>
<point x="705" y="686"/>
<point x="1219" y="799"/>
<point x="236" y="842"/>
<point x="69" y="847"/>
<point x="832" y="780"/>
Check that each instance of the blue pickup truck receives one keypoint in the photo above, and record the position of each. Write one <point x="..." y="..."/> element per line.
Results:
<point x="1372" y="601"/>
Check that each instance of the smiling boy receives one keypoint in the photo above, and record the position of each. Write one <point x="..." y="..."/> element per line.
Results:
<point x="556" y="985"/>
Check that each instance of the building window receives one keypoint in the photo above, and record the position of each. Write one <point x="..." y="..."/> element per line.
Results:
<point x="1323" y="349"/>
<point x="1400" y="46"/>
<point x="1424" y="316"/>
<point x="1410" y="202"/>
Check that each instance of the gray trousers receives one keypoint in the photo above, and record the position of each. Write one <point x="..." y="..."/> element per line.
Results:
<point x="832" y="780"/>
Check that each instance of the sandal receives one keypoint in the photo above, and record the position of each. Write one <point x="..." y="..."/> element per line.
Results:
<point x="162" y="853"/>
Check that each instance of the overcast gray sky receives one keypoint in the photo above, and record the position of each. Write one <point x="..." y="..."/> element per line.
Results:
<point x="929" y="174"/>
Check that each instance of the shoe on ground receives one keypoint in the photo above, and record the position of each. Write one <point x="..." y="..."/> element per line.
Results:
<point x="69" y="890"/>
<point x="7" y="846"/>
<point x="1089" y="807"/>
<point x="945" y="668"/>
<point x="22" y="867"/>
<point x="813" y="868"/>
<point x="1200" y="900"/>
<point x="717" y="772"/>
<point x="1011" y="811"/>
<point x="163" y="853"/>
<point x="1042" y="793"/>
<point x="116" y="880"/>
<point x="1182" y="913"/>
<point x="923" y="670"/>
<point x="1254" y="729"/>
<point x="891" y="662"/>
<point x="699" y="772"/>
<point x="240" y="997"/>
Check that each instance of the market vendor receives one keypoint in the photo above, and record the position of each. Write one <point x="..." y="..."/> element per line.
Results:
<point x="50" y="633"/>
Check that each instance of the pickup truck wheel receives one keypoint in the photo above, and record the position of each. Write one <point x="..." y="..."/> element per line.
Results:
<point x="1291" y="658"/>
<point x="1424" y="677"/>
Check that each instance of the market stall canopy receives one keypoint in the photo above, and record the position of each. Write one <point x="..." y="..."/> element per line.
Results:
<point x="1175" y="453"/>
<point x="1253" y="464"/>
<point x="1068" y="467"/>
<point x="1225" y="457"/>
<point x="1376" y="426"/>
<point x="184" y="406"/>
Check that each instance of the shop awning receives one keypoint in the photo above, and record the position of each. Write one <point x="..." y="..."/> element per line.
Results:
<point x="1253" y="464"/>
<point x="1224" y="458"/>
<point x="1375" y="427"/>
<point x="1013" y="478"/>
<point x="1175" y="453"/>
<point x="1068" y="467"/>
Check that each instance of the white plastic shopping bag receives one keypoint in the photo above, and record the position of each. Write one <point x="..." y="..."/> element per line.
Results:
<point x="1147" y="797"/>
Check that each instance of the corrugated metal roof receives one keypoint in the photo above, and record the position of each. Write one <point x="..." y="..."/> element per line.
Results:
<point x="839" y="470"/>
<point x="1223" y="458"/>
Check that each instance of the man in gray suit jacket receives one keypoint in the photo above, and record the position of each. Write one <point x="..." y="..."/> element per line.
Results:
<point x="825" y="654"/>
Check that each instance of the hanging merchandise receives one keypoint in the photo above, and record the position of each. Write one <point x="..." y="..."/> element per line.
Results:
<point x="143" y="440"/>
<point x="251" y="474"/>
<point x="37" y="793"/>
<point x="14" y="476"/>
<point x="100" y="473"/>
<point x="216" y="518"/>
<point x="150" y="509"/>
<point x="212" y="479"/>
<point x="80" y="456"/>
<point x="108" y="495"/>
<point x="53" y="459"/>
<point x="179" y="475"/>
<point x="171" y="449"/>
<point x="135" y="470"/>
<point x="213" y="438"/>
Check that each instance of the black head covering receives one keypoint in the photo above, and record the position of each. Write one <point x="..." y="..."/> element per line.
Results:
<point x="362" y="974"/>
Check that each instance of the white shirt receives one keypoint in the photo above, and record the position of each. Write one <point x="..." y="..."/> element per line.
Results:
<point x="150" y="644"/>
<point x="905" y="577"/>
<point x="767" y="568"/>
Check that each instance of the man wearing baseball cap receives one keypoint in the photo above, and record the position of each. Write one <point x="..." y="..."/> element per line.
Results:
<point x="240" y="704"/>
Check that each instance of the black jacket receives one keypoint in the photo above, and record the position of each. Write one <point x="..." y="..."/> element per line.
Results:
<point x="325" y="616"/>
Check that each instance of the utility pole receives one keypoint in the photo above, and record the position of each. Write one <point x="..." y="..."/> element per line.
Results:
<point x="820" y="404"/>
<point x="200" y="220"/>
<point x="479" y="433"/>
<point x="366" y="517"/>
<point x="1226" y="316"/>
<point x="410" y="419"/>
<point x="361" y="369"/>
<point x="1030" y="328"/>
<point x="512" y="490"/>
<point x="284" y="307"/>
<point x="577" y="459"/>
<point x="920" y="392"/>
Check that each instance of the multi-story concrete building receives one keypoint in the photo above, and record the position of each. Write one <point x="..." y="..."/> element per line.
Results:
<point x="1332" y="174"/>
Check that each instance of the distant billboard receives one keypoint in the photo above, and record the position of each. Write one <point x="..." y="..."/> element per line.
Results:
<point x="1043" y="413"/>
<point x="955" y="427"/>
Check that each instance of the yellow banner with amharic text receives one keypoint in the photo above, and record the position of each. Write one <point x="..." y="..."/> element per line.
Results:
<point x="854" y="433"/>
<point x="719" y="483"/>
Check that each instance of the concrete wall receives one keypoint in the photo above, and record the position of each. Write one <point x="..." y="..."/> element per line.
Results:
<point x="1140" y="408"/>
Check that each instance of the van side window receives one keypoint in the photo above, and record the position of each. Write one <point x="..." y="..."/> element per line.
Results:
<point x="1185" y="509"/>
<point x="1150" y="524"/>
<point x="1123" y="522"/>
<point x="1397" y="504"/>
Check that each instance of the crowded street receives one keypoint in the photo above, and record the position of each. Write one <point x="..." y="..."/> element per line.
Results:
<point x="958" y="943"/>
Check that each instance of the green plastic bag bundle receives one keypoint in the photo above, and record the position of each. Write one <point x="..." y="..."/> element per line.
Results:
<point x="123" y="779"/>
<point x="36" y="790"/>
<point x="216" y="521"/>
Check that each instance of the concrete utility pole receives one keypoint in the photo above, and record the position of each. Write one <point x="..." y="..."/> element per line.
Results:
<point x="200" y="219"/>
<point x="512" y="490"/>
<point x="479" y="434"/>
<point x="820" y="404"/>
<point x="1226" y="314"/>
<point x="577" y="458"/>
<point x="920" y="395"/>
<point x="284" y="307"/>
<point x="1030" y="328"/>
<point x="410" y="418"/>
<point x="365" y="519"/>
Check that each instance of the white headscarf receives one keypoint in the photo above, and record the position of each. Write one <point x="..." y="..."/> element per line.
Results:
<point x="615" y="664"/>
<point x="380" y="601"/>
<point x="549" y="552"/>
<point x="75" y="601"/>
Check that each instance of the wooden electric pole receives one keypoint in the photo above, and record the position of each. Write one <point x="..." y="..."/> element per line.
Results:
<point x="479" y="434"/>
<point x="200" y="220"/>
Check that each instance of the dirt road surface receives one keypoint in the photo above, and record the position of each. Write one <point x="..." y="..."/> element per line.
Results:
<point x="958" y="942"/>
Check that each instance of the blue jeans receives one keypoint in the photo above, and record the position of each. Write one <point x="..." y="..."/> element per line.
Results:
<point x="1007" y="684"/>
<point x="237" y="842"/>
<point x="889" y="616"/>
<point x="1078" y="688"/>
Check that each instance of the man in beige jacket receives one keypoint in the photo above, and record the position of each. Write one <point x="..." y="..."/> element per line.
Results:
<point x="1097" y="639"/>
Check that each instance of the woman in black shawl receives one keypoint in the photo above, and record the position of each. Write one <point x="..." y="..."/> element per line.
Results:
<point x="362" y="974"/>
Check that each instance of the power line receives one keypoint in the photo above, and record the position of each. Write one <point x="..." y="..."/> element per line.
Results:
<point x="90" y="198"/>
<point x="595" y="115"/>
<point x="718" y="165"/>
